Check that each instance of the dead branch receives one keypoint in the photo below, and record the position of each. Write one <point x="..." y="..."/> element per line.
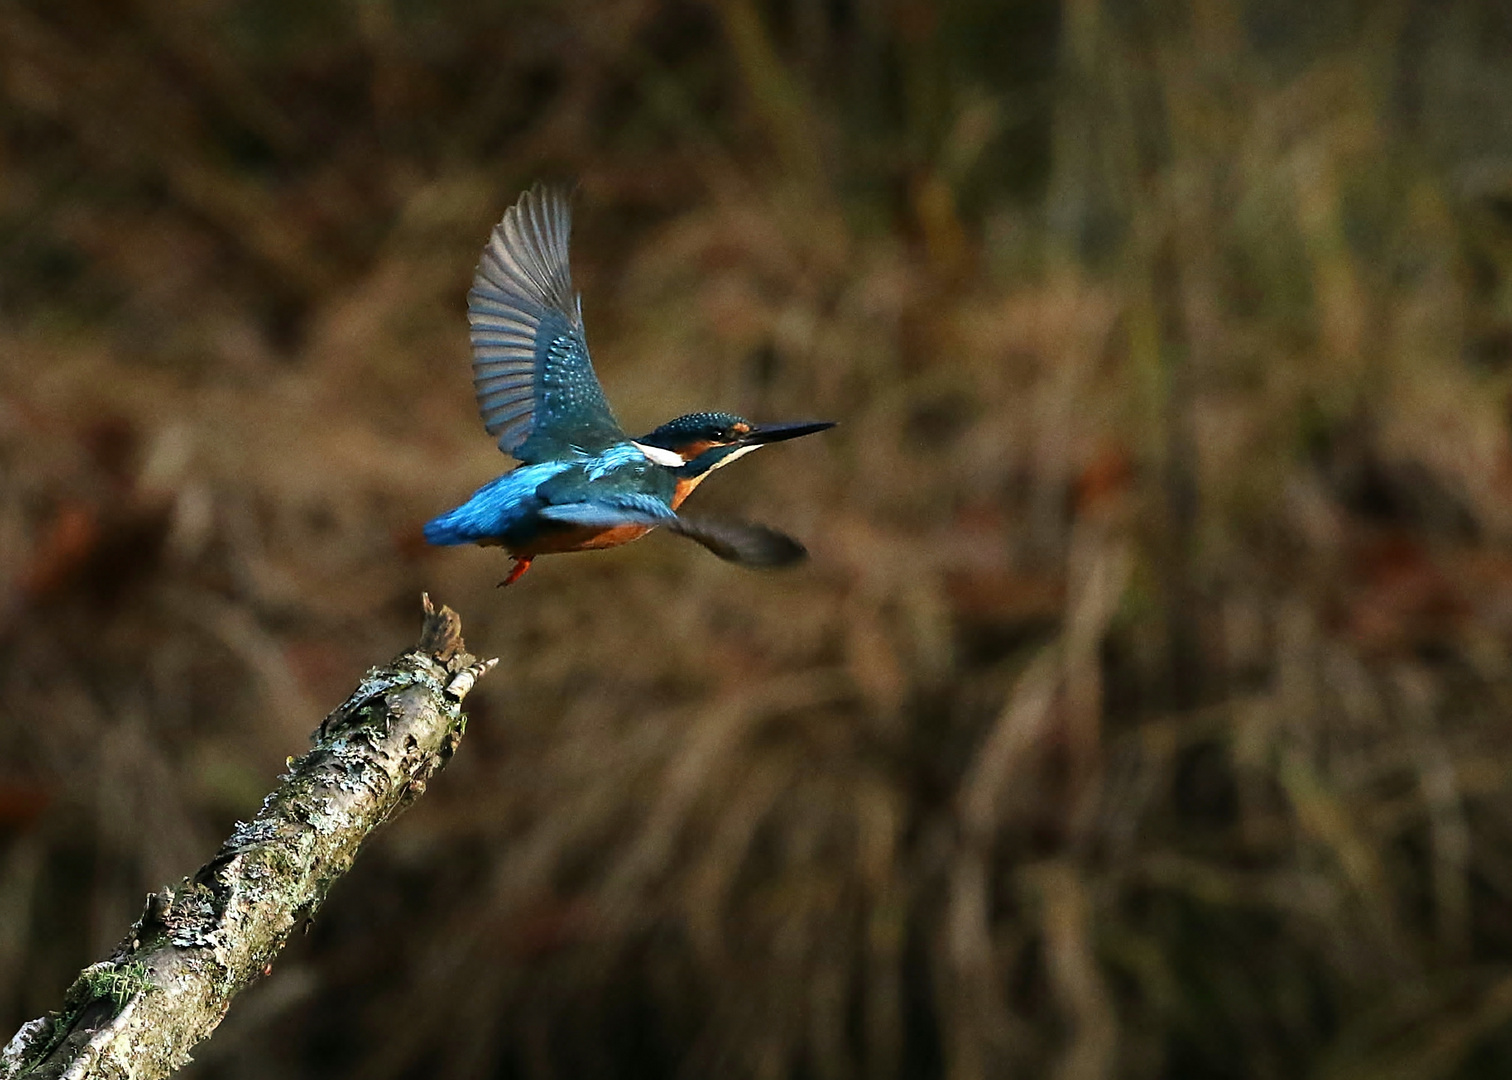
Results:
<point x="197" y="945"/>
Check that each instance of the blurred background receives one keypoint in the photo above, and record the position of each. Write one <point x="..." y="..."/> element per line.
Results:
<point x="1146" y="707"/>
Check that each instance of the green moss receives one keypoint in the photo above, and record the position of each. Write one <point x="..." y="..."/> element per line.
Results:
<point x="115" y="983"/>
<point x="102" y="982"/>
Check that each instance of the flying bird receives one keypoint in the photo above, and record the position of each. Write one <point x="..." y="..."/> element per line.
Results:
<point x="582" y="483"/>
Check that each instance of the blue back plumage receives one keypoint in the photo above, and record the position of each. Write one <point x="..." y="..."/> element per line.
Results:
<point x="513" y="508"/>
<point x="497" y="509"/>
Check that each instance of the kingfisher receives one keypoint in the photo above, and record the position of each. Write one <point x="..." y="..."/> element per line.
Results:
<point x="582" y="483"/>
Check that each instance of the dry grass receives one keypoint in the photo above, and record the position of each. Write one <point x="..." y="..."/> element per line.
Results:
<point x="1143" y="711"/>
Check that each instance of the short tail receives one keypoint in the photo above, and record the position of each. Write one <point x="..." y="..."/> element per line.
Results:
<point x="447" y="529"/>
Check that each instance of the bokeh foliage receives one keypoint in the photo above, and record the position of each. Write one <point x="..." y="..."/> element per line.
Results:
<point x="1144" y="710"/>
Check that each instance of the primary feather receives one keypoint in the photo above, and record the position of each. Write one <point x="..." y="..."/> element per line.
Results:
<point x="534" y="380"/>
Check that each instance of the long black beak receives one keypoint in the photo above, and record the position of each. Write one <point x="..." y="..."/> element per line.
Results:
<point x="770" y="433"/>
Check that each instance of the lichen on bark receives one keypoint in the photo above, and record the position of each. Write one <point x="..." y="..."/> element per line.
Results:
<point x="198" y="944"/>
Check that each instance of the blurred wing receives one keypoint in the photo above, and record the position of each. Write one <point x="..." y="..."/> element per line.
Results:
<point x="733" y="541"/>
<point x="740" y="542"/>
<point x="535" y="383"/>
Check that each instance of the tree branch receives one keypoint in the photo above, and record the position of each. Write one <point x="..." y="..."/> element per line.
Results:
<point x="195" y="947"/>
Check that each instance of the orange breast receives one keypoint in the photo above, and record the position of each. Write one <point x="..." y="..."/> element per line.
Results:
<point x="685" y="488"/>
<point x="583" y="538"/>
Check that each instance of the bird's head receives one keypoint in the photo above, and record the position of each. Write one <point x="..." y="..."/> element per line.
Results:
<point x="704" y="441"/>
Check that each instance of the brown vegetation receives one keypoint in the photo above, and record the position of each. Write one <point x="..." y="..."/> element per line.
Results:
<point x="1144" y="709"/>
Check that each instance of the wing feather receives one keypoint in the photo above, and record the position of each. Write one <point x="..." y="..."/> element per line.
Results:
<point x="739" y="542"/>
<point x="534" y="380"/>
<point x="742" y="542"/>
<point x="494" y="382"/>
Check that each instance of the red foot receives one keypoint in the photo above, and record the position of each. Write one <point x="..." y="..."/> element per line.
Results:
<point x="520" y="566"/>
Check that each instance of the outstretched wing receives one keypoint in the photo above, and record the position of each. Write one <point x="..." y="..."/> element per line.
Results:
<point x="734" y="541"/>
<point x="535" y="383"/>
<point x="743" y="543"/>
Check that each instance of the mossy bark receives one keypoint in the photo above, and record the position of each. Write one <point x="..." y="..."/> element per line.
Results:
<point x="197" y="945"/>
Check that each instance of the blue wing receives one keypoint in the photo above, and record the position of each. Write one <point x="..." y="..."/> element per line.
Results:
<point x="535" y="383"/>
<point x="608" y="511"/>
